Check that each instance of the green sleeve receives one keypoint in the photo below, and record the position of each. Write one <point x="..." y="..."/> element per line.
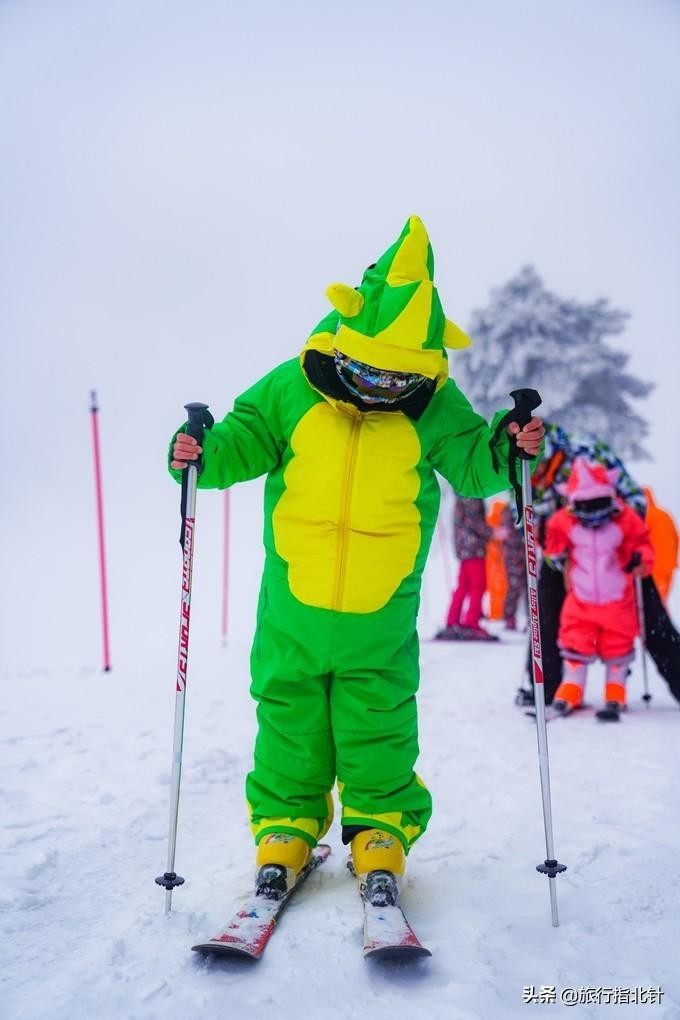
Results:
<point x="466" y="452"/>
<point x="245" y="444"/>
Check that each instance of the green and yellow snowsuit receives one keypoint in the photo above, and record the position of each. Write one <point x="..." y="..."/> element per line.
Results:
<point x="351" y="501"/>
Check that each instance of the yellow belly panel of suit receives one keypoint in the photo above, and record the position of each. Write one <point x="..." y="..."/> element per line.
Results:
<point x="347" y="524"/>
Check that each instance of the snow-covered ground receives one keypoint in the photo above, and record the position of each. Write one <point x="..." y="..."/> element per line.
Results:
<point x="84" y="771"/>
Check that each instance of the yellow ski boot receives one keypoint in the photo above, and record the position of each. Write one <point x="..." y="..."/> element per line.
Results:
<point x="279" y="861"/>
<point x="378" y="859"/>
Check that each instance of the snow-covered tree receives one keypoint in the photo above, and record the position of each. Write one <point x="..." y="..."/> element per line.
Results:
<point x="528" y="336"/>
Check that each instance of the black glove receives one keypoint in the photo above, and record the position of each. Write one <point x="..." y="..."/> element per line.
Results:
<point x="633" y="562"/>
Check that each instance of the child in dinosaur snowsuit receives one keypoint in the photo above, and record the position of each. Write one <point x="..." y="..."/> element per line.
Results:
<point x="350" y="435"/>
<point x="601" y="542"/>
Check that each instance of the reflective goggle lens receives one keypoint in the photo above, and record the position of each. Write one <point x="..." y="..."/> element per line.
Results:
<point x="374" y="385"/>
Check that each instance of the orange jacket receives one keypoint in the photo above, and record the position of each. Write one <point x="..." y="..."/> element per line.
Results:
<point x="664" y="535"/>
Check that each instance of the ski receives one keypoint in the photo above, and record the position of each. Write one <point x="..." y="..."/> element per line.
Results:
<point x="610" y="713"/>
<point x="464" y="634"/>
<point x="387" y="933"/>
<point x="524" y="697"/>
<point x="551" y="714"/>
<point x="249" y="930"/>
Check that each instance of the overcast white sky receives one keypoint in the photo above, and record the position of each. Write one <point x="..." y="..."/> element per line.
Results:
<point x="179" y="183"/>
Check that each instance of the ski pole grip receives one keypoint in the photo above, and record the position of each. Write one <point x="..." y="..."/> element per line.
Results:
<point x="526" y="402"/>
<point x="199" y="419"/>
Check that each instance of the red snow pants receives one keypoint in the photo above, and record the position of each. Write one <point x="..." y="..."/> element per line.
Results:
<point x="471" y="586"/>
<point x="607" y="632"/>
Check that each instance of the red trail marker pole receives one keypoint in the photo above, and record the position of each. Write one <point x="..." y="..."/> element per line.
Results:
<point x="94" y="411"/>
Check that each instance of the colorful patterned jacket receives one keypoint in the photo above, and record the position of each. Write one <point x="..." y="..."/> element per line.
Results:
<point x="561" y="449"/>
<point x="470" y="530"/>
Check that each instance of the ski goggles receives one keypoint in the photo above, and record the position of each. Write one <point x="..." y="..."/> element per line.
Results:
<point x="593" y="512"/>
<point x="373" y="385"/>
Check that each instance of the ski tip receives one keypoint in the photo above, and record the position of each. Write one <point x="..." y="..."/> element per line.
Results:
<point x="220" y="949"/>
<point x="397" y="953"/>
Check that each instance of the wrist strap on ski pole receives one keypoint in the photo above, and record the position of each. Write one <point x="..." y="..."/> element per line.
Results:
<point x="199" y="419"/>
<point x="526" y="401"/>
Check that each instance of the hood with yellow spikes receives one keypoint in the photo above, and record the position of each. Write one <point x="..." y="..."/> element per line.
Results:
<point x="394" y="320"/>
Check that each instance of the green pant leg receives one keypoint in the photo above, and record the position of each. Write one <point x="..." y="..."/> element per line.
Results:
<point x="289" y="787"/>
<point x="375" y="728"/>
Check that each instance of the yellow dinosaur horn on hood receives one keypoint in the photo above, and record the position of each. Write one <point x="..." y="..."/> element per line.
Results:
<point x="454" y="337"/>
<point x="347" y="300"/>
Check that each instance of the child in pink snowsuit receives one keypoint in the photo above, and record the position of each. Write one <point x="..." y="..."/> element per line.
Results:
<point x="602" y="543"/>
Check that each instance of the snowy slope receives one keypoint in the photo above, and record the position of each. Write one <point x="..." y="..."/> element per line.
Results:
<point x="84" y="766"/>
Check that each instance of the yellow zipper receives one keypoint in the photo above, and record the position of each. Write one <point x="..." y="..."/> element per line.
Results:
<point x="343" y="529"/>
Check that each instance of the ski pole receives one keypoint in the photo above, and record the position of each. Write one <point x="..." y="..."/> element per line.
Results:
<point x="225" y="570"/>
<point x="640" y="600"/>
<point x="525" y="402"/>
<point x="446" y="561"/>
<point x="199" y="419"/>
<point x="94" y="411"/>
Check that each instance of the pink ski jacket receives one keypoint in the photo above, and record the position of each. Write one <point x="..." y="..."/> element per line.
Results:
<point x="596" y="557"/>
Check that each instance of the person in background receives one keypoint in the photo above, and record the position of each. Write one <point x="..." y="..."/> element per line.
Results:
<point x="548" y="479"/>
<point x="496" y="581"/>
<point x="600" y="544"/>
<point x="471" y="534"/>
<point x="515" y="567"/>
<point x="665" y="541"/>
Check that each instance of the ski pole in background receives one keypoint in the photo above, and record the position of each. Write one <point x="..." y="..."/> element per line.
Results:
<point x="199" y="419"/>
<point x="225" y="570"/>
<point x="94" y="411"/>
<point x="525" y="402"/>
<point x="640" y="601"/>
<point x="446" y="560"/>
